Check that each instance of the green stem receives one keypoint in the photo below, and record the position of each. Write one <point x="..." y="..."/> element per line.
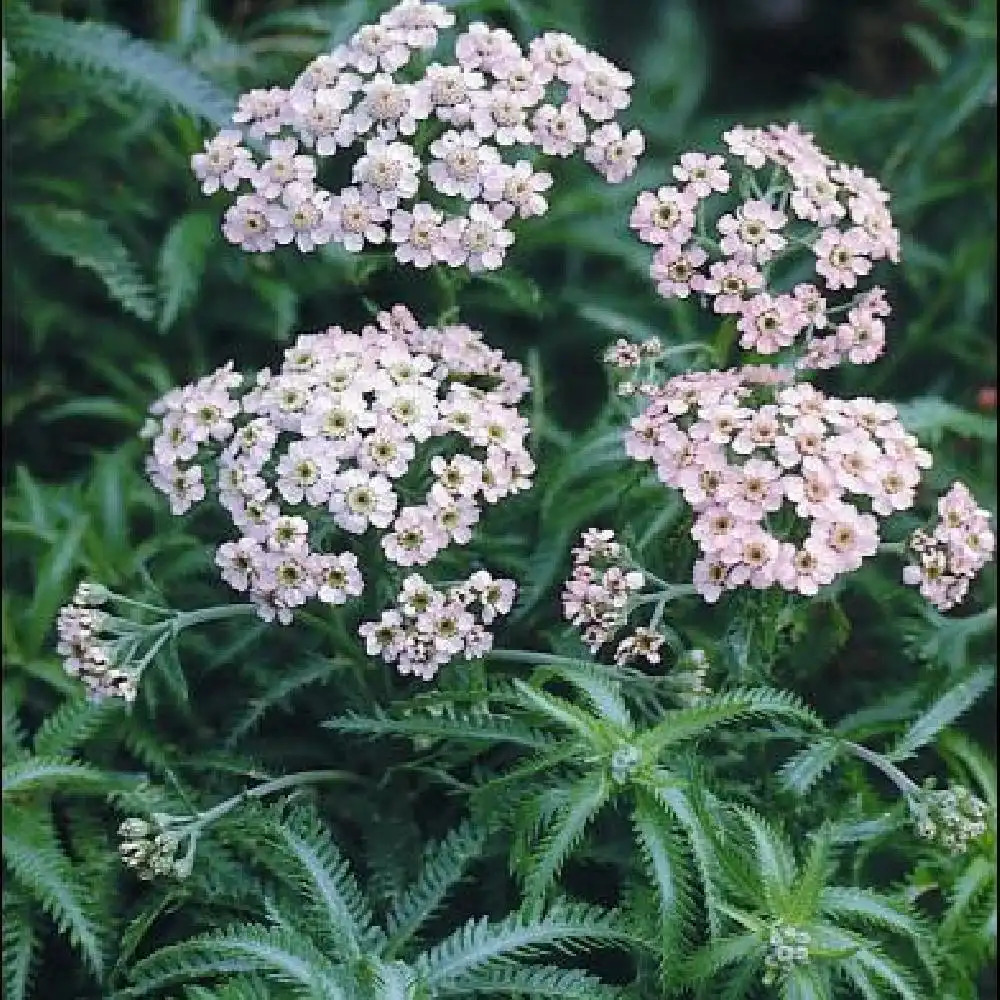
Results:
<point x="893" y="773"/>
<point x="268" y="788"/>
<point x="185" y="619"/>
<point x="892" y="548"/>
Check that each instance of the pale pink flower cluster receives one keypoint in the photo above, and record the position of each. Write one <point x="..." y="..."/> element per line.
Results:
<point x="787" y="485"/>
<point x="405" y="430"/>
<point x="427" y="627"/>
<point x="87" y="643"/>
<point x="796" y="206"/>
<point x="430" y="132"/>
<point x="600" y="595"/>
<point x="948" y="558"/>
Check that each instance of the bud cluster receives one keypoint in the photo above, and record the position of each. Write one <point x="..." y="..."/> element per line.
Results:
<point x="951" y="818"/>
<point x="91" y="642"/>
<point x="787" y="947"/>
<point x="433" y="136"/>
<point x="948" y="559"/>
<point x="601" y="593"/>
<point x="152" y="848"/>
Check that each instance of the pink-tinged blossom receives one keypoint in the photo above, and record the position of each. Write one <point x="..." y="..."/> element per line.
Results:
<point x="387" y="173"/>
<point x="449" y="91"/>
<point x="701" y="174"/>
<point x="768" y="323"/>
<point x="224" y="163"/>
<point x="559" y="131"/>
<point x="253" y="223"/>
<point x="317" y="116"/>
<point x="752" y="233"/>
<point x="557" y="54"/>
<point x="484" y="48"/>
<point x="285" y="166"/>
<point x="418" y="22"/>
<point x="842" y="257"/>
<point x="338" y="577"/>
<point x="597" y="87"/>
<point x="749" y="145"/>
<point x="265" y="112"/>
<point x="392" y="108"/>
<point x="418" y="235"/>
<point x="524" y="81"/>
<point x="498" y="115"/>
<point x="674" y="267"/>
<point x="613" y="155"/>
<point x="815" y="197"/>
<point x="307" y="222"/>
<point x="479" y="241"/>
<point x="729" y="282"/>
<point x="355" y="221"/>
<point x="375" y="47"/>
<point x="516" y="190"/>
<point x="664" y="216"/>
<point x="460" y="163"/>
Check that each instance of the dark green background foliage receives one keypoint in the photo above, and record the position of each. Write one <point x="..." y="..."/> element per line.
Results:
<point x="118" y="285"/>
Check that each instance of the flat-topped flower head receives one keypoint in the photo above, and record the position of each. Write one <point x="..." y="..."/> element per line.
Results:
<point x="787" y="485"/>
<point x="740" y="230"/>
<point x="428" y="140"/>
<point x="404" y="431"/>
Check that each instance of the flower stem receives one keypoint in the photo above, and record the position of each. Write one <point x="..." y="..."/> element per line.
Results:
<point x="894" y="774"/>
<point x="267" y="788"/>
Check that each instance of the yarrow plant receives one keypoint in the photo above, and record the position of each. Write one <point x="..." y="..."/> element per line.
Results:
<point x="406" y="431"/>
<point x="739" y="230"/>
<point x="355" y="476"/>
<point x="449" y="151"/>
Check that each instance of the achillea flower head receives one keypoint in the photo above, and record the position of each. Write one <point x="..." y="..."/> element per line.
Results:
<point x="492" y="110"/>
<point x="345" y="437"/>
<point x="787" y="485"/>
<point x="946" y="560"/>
<point x="601" y="594"/>
<point x="733" y="229"/>
<point x="89" y="642"/>
<point x="428" y="627"/>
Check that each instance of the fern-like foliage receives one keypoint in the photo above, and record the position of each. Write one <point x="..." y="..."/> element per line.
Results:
<point x="90" y="244"/>
<point x="39" y="865"/>
<point x="128" y="64"/>
<point x="321" y="940"/>
<point x="55" y="861"/>
<point x="874" y="941"/>
<point x="603" y="755"/>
